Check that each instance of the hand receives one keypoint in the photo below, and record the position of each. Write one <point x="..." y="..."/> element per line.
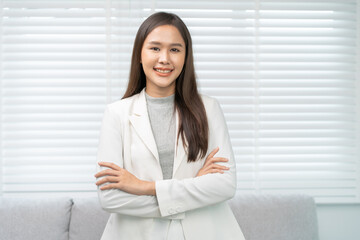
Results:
<point x="119" y="178"/>
<point x="210" y="166"/>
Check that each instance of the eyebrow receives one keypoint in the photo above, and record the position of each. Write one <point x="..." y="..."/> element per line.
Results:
<point x="172" y="44"/>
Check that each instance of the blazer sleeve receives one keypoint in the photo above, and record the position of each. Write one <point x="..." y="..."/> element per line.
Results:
<point x="115" y="200"/>
<point x="176" y="196"/>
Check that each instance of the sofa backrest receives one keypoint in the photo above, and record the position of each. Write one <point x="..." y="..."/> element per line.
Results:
<point x="276" y="217"/>
<point x="88" y="219"/>
<point x="261" y="217"/>
<point x="40" y="219"/>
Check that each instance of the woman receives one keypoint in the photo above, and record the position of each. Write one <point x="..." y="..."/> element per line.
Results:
<point x="157" y="175"/>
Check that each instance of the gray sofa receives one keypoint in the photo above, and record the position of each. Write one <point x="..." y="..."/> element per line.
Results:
<point x="261" y="217"/>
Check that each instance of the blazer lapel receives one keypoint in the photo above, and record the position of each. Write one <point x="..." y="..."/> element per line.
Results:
<point x="140" y="121"/>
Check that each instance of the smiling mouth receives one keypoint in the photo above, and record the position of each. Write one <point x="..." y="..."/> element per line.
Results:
<point x="163" y="70"/>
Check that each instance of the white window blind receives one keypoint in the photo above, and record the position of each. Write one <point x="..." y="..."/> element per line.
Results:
<point x="283" y="71"/>
<point x="54" y="87"/>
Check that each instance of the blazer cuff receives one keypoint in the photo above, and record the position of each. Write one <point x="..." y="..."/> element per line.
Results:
<point x="179" y="216"/>
<point x="167" y="206"/>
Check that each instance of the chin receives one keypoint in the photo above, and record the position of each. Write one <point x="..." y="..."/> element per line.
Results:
<point x="165" y="85"/>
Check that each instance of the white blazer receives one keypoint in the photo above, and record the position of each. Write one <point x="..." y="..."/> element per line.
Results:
<point x="126" y="139"/>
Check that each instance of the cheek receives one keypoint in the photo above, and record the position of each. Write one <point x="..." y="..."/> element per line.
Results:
<point x="146" y="63"/>
<point x="145" y="58"/>
<point x="180" y="63"/>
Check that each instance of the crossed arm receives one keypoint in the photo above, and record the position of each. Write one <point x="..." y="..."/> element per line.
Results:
<point x="120" y="178"/>
<point x="122" y="192"/>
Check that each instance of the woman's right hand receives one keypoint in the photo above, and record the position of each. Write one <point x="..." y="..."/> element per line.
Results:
<point x="210" y="165"/>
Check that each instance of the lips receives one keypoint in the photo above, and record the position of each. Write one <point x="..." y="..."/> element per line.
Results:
<point x="163" y="72"/>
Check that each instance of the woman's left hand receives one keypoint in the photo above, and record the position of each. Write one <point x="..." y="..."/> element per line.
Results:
<point x="120" y="178"/>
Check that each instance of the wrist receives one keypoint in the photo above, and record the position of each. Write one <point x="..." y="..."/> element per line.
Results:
<point x="149" y="188"/>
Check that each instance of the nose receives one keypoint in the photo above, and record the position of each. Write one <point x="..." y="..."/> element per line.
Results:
<point x="164" y="57"/>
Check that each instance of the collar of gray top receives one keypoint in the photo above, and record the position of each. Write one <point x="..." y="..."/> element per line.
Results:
<point x="163" y="101"/>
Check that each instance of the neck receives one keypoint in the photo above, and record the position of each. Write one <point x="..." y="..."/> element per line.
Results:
<point x="159" y="92"/>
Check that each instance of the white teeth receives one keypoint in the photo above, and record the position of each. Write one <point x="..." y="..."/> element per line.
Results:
<point x="162" y="71"/>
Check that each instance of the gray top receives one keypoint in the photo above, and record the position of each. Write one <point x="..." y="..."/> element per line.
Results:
<point x="162" y="120"/>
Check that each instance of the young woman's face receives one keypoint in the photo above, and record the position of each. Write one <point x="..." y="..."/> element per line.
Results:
<point x="162" y="58"/>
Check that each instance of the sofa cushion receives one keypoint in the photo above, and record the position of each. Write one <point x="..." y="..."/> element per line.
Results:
<point x="40" y="218"/>
<point x="276" y="217"/>
<point x="88" y="219"/>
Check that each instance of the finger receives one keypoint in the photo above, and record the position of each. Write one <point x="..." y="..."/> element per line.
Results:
<point x="217" y="166"/>
<point x="107" y="179"/>
<point x="109" y="172"/>
<point x="110" y="165"/>
<point x="211" y="155"/>
<point x="108" y="186"/>
<point x="219" y="159"/>
<point x="214" y="160"/>
<point x="214" y="171"/>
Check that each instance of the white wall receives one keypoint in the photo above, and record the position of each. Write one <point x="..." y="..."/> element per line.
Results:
<point x="339" y="222"/>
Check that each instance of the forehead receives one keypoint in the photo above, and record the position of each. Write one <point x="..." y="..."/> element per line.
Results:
<point x="165" y="34"/>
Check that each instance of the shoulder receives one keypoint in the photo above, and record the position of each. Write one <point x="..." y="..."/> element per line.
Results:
<point x="121" y="103"/>
<point x="207" y="99"/>
<point x="211" y="104"/>
<point x="122" y="106"/>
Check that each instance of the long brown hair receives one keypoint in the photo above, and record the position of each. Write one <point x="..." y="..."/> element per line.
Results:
<point x="192" y="115"/>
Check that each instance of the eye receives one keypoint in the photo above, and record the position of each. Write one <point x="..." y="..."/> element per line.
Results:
<point x="175" y="50"/>
<point x="155" y="48"/>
